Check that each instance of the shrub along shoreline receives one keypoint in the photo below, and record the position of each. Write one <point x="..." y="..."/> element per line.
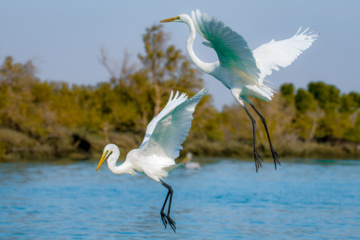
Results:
<point x="88" y="147"/>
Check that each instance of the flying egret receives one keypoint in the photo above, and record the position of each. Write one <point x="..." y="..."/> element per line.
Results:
<point x="189" y="164"/>
<point x="161" y="145"/>
<point x="240" y="69"/>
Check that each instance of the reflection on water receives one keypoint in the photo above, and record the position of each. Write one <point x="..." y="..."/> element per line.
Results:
<point x="225" y="199"/>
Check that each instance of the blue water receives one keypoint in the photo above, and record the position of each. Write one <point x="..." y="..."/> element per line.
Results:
<point x="224" y="200"/>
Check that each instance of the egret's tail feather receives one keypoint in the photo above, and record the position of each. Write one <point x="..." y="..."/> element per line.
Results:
<point x="268" y="90"/>
<point x="263" y="92"/>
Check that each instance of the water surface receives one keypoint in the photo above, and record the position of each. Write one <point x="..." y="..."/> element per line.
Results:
<point x="226" y="199"/>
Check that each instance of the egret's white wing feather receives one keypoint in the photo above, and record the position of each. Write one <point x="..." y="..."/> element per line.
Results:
<point x="172" y="103"/>
<point x="172" y="129"/>
<point x="231" y="48"/>
<point x="274" y="54"/>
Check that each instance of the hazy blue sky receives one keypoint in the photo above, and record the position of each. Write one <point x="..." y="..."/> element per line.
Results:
<point x="64" y="38"/>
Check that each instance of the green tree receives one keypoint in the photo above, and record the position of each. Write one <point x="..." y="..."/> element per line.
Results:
<point x="350" y="103"/>
<point x="145" y="89"/>
<point x="287" y="91"/>
<point x="308" y="115"/>
<point x="24" y="106"/>
<point x="328" y="96"/>
<point x="162" y="65"/>
<point x="304" y="101"/>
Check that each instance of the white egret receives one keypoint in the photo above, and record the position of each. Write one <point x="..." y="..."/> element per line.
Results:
<point x="161" y="145"/>
<point x="189" y="164"/>
<point x="240" y="69"/>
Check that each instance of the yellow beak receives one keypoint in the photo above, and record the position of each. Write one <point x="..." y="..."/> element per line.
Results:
<point x="168" y="20"/>
<point x="103" y="157"/>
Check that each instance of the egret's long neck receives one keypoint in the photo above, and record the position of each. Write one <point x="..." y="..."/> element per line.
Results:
<point x="203" y="66"/>
<point x="125" y="167"/>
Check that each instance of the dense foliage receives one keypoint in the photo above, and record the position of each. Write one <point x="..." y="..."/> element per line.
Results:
<point x="44" y="119"/>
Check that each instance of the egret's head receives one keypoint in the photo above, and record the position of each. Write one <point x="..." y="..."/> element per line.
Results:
<point x="180" y="18"/>
<point x="109" y="150"/>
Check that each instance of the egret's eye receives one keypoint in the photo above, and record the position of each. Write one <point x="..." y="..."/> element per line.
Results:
<point x="177" y="18"/>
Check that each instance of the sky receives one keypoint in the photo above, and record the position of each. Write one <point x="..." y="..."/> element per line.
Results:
<point x="64" y="38"/>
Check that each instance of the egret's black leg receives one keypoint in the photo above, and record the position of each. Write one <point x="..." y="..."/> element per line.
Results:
<point x="257" y="156"/>
<point x="163" y="216"/>
<point x="276" y="156"/>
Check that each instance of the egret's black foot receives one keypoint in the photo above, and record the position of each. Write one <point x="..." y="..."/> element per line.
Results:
<point x="171" y="223"/>
<point x="258" y="159"/>
<point x="276" y="158"/>
<point x="163" y="218"/>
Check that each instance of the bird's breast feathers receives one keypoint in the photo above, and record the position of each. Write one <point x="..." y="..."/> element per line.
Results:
<point x="234" y="77"/>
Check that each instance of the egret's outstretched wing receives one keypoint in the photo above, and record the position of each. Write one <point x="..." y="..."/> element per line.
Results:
<point x="231" y="48"/>
<point x="172" y="129"/>
<point x="170" y="105"/>
<point x="274" y="54"/>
